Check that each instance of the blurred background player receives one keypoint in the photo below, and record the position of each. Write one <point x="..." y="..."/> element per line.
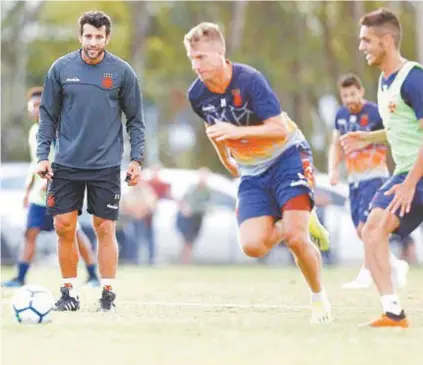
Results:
<point x="256" y="140"/>
<point x="192" y="208"/>
<point x="397" y="206"/>
<point x="367" y="168"/>
<point x="139" y="203"/>
<point x="35" y="201"/>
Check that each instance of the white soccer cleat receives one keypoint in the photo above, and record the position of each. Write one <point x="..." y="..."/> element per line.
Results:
<point x="362" y="281"/>
<point x="321" y="312"/>
<point x="399" y="273"/>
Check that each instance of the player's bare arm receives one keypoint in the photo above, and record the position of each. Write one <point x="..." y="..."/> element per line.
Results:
<point x="404" y="193"/>
<point x="224" y="155"/>
<point x="28" y="186"/>
<point x="355" y="141"/>
<point x="274" y="127"/>
<point x="336" y="155"/>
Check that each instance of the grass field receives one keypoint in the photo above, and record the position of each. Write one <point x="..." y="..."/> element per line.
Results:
<point x="214" y="315"/>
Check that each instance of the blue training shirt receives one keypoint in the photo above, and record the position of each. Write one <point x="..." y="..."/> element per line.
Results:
<point x="82" y="105"/>
<point x="370" y="162"/>
<point x="247" y="101"/>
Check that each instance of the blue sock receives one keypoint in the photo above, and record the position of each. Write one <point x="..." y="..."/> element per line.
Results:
<point x="92" y="271"/>
<point x="22" y="270"/>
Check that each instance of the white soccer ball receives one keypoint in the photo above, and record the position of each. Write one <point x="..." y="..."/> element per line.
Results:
<point x="32" y="304"/>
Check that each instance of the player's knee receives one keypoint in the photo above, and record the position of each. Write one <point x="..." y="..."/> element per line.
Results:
<point x="296" y="239"/>
<point x="254" y="247"/>
<point x="104" y="227"/>
<point x="65" y="227"/>
<point x="371" y="233"/>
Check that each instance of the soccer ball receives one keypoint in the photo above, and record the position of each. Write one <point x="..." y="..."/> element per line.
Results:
<point x="32" y="304"/>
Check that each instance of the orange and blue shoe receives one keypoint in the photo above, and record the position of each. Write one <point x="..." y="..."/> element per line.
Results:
<point x="389" y="320"/>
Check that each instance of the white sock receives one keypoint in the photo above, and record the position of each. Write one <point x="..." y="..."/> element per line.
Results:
<point x="393" y="260"/>
<point x="390" y="303"/>
<point x="108" y="283"/>
<point x="365" y="271"/>
<point x="72" y="285"/>
<point x="318" y="297"/>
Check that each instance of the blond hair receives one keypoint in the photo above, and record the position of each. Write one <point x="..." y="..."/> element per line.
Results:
<point x="204" y="32"/>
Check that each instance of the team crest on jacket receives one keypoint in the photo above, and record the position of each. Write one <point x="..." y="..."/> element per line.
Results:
<point x="107" y="80"/>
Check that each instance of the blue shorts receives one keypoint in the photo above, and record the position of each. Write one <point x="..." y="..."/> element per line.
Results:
<point x="38" y="218"/>
<point x="291" y="175"/>
<point x="410" y="221"/>
<point x="360" y="197"/>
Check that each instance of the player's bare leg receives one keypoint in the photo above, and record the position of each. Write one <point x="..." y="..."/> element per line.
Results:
<point x="27" y="255"/>
<point x="364" y="277"/>
<point x="259" y="235"/>
<point x="87" y="254"/>
<point x="108" y="256"/>
<point x="186" y="253"/>
<point x="376" y="233"/>
<point x="65" y="225"/>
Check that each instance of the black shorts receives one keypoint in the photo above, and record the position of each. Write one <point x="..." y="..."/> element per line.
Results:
<point x="67" y="190"/>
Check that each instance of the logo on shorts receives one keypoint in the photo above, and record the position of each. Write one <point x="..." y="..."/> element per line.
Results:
<point x="50" y="201"/>
<point x="112" y="206"/>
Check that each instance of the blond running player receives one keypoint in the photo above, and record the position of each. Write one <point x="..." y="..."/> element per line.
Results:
<point x="259" y="142"/>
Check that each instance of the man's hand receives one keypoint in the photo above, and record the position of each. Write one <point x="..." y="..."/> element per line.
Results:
<point x="44" y="170"/>
<point x="334" y="177"/>
<point x="222" y="131"/>
<point x="403" y="197"/>
<point x="134" y="173"/>
<point x="354" y="141"/>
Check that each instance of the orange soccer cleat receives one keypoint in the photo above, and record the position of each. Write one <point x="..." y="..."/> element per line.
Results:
<point x="386" y="321"/>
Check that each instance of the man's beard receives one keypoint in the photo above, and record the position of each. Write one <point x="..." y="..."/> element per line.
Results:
<point x="98" y="53"/>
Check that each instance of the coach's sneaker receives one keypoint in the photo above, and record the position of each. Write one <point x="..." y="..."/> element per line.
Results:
<point x="389" y="320"/>
<point x="399" y="273"/>
<point x="362" y="281"/>
<point x="68" y="301"/>
<point x="319" y="234"/>
<point x="320" y="309"/>
<point x="107" y="301"/>
<point x="13" y="283"/>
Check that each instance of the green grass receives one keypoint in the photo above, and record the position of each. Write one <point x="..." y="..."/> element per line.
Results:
<point x="148" y="330"/>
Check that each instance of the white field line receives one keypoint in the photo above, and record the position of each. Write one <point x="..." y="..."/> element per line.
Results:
<point x="237" y="305"/>
<point x="246" y="306"/>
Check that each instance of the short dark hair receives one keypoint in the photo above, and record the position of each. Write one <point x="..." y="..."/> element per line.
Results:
<point x="34" y="92"/>
<point x="96" y="19"/>
<point x="384" y="18"/>
<point x="348" y="80"/>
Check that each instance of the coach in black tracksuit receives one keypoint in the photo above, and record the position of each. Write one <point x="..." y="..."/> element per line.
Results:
<point x="85" y="93"/>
